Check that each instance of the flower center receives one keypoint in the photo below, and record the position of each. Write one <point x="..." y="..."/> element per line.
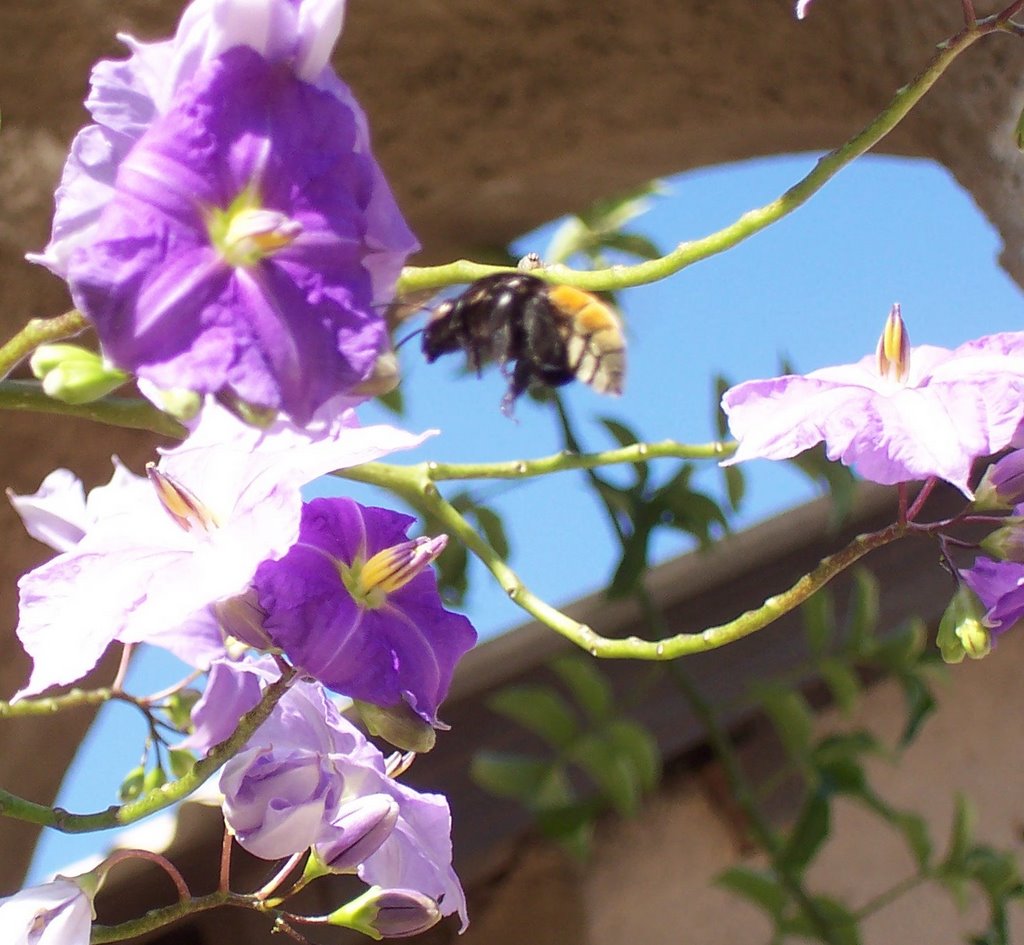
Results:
<point x="369" y="582"/>
<point x="187" y="511"/>
<point x="245" y="232"/>
<point x="893" y="351"/>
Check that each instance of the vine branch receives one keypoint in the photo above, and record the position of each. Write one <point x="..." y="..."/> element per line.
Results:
<point x="416" y="279"/>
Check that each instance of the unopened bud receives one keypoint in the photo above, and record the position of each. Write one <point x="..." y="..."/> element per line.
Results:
<point x="241" y="617"/>
<point x="180" y="403"/>
<point x="388" y="913"/>
<point x="382" y="379"/>
<point x="893" y="351"/>
<point x="397" y="724"/>
<point x="1002" y="486"/>
<point x="362" y="826"/>
<point x="1007" y="542"/>
<point x="961" y="630"/>
<point x="74" y="375"/>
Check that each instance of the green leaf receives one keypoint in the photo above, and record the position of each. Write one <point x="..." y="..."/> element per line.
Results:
<point x="791" y="717"/>
<point x="520" y="777"/>
<point x="588" y="685"/>
<point x="903" y="649"/>
<point x="638" y="748"/>
<point x="735" y="486"/>
<point x="493" y="528"/>
<point x="862" y="616"/>
<point x="633" y="244"/>
<point x="155" y="778"/>
<point x="961" y="836"/>
<point x="617" y="780"/>
<point x="819" y="618"/>
<point x="625" y="436"/>
<point x="538" y="709"/>
<point x="633" y="563"/>
<point x="181" y="761"/>
<point x="393" y="401"/>
<point x="915" y="831"/>
<point x="842" y="682"/>
<point x="920" y="703"/>
<point x="131" y="786"/>
<point x="808" y="834"/>
<point x="842" y="924"/>
<point x="760" y="887"/>
<point x="722" y="384"/>
<point x="572" y="236"/>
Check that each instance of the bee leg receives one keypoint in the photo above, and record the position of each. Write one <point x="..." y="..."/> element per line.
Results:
<point x="522" y="374"/>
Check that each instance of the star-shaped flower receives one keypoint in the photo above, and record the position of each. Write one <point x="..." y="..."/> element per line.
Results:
<point x="191" y="534"/>
<point x="896" y="416"/>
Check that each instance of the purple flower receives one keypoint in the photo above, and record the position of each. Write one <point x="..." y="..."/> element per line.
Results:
<point x="1000" y="588"/>
<point x="58" y="913"/>
<point x="164" y="548"/>
<point x="355" y="605"/>
<point x="296" y="785"/>
<point x="224" y="224"/>
<point x="895" y="416"/>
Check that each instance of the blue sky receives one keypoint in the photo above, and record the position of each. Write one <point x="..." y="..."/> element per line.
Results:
<point x="815" y="288"/>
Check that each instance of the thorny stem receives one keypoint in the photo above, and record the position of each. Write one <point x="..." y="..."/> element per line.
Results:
<point x="415" y="279"/>
<point x="414" y="486"/>
<point x="118" y="816"/>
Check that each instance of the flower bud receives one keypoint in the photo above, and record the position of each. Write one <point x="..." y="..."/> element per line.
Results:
<point x="241" y="617"/>
<point x="74" y="375"/>
<point x="398" y="725"/>
<point x="1007" y="542"/>
<point x="388" y="913"/>
<point x="1002" y="486"/>
<point x="961" y="631"/>
<point x="361" y="827"/>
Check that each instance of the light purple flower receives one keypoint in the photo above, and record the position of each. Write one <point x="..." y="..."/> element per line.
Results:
<point x="801" y="8"/>
<point x="128" y="96"/>
<point x="57" y="913"/>
<point x="355" y="605"/>
<point x="1000" y="588"/>
<point x="191" y="535"/>
<point x="896" y="416"/>
<point x="1002" y="485"/>
<point x="295" y="783"/>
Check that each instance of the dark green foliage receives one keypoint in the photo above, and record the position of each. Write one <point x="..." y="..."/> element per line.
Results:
<point x="592" y="759"/>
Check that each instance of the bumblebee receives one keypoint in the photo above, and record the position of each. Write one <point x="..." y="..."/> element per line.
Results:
<point x="550" y="334"/>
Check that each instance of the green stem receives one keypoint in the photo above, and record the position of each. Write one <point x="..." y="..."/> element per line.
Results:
<point x="415" y="279"/>
<point x="565" y="461"/>
<point x="131" y="412"/>
<point x="58" y="819"/>
<point x="890" y="895"/>
<point x="51" y="705"/>
<point x="40" y="331"/>
<point x="158" y="918"/>
<point x="415" y="486"/>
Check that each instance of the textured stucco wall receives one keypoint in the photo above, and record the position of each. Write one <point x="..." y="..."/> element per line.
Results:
<point x="492" y="117"/>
